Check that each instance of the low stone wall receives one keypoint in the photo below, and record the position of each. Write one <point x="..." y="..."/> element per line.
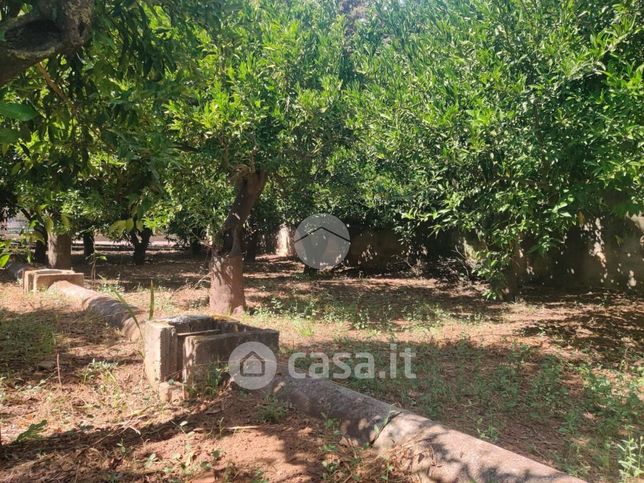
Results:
<point x="375" y="249"/>
<point x="113" y="311"/>
<point x="601" y="254"/>
<point x="431" y="451"/>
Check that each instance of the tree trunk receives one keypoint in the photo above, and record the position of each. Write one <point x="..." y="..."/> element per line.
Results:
<point x="140" y="246"/>
<point x="52" y="27"/>
<point x="509" y="284"/>
<point x="227" y="283"/>
<point x="252" y="246"/>
<point x="196" y="248"/>
<point x="40" y="249"/>
<point x="88" y="244"/>
<point x="59" y="250"/>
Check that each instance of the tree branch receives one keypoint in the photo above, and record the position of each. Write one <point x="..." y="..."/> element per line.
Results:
<point x="53" y="27"/>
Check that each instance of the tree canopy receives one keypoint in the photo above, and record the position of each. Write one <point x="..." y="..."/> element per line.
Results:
<point x="509" y="122"/>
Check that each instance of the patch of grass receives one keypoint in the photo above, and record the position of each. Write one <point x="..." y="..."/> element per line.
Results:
<point x="596" y="410"/>
<point x="100" y="376"/>
<point x="342" y="462"/>
<point x="304" y="327"/>
<point x="25" y="340"/>
<point x="272" y="410"/>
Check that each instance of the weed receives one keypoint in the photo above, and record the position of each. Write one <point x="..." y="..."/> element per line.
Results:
<point x="216" y="377"/>
<point x="546" y="392"/>
<point x="272" y="410"/>
<point x="631" y="458"/>
<point x="490" y="432"/>
<point x="100" y="375"/>
<point x="98" y="369"/>
<point x="33" y="432"/>
<point x="25" y="340"/>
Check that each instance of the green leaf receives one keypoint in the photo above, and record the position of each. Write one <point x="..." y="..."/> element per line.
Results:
<point x="118" y="227"/>
<point x="4" y="259"/>
<point x="8" y="136"/>
<point x="19" y="112"/>
<point x="32" y="432"/>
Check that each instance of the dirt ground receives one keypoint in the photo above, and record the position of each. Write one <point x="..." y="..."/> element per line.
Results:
<point x="75" y="390"/>
<point x="557" y="376"/>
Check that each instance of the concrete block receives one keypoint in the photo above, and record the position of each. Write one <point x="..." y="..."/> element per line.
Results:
<point x="43" y="281"/>
<point x="160" y="347"/>
<point x="43" y="278"/>
<point x="29" y="274"/>
<point x="184" y="347"/>
<point x="172" y="393"/>
<point x="201" y="352"/>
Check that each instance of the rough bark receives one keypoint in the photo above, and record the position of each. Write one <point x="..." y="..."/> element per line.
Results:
<point x="252" y="247"/>
<point x="140" y="245"/>
<point x="40" y="248"/>
<point x="227" y="284"/>
<point x="52" y="27"/>
<point x="59" y="250"/>
<point x="88" y="244"/>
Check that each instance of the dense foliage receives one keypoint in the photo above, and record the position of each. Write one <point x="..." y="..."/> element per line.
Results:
<point x="513" y="121"/>
<point x="508" y="121"/>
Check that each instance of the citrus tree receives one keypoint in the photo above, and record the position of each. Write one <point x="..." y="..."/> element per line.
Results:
<point x="85" y="131"/>
<point x="507" y="121"/>
<point x="267" y="105"/>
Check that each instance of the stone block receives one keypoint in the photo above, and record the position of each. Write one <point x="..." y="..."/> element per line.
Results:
<point x="160" y="348"/>
<point x="29" y="274"/>
<point x="183" y="347"/>
<point x="202" y="352"/>
<point x="43" y="281"/>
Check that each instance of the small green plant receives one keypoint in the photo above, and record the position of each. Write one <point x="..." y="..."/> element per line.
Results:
<point x="130" y="311"/>
<point x="631" y="458"/>
<point x="98" y="369"/>
<point x="490" y="432"/>
<point x="304" y="327"/>
<point x="272" y="410"/>
<point x="215" y="378"/>
<point x="33" y="432"/>
<point x="92" y="260"/>
<point x="547" y="392"/>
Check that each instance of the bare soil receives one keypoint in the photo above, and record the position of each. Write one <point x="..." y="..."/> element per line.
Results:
<point x="103" y="422"/>
<point x="511" y="373"/>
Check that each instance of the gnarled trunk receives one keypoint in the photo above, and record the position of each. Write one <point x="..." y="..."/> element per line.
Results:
<point x="52" y="27"/>
<point x="59" y="250"/>
<point x="88" y="244"/>
<point x="140" y="245"/>
<point x="227" y="267"/>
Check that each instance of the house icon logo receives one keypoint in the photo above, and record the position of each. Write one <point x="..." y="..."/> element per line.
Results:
<point x="322" y="241"/>
<point x="252" y="365"/>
